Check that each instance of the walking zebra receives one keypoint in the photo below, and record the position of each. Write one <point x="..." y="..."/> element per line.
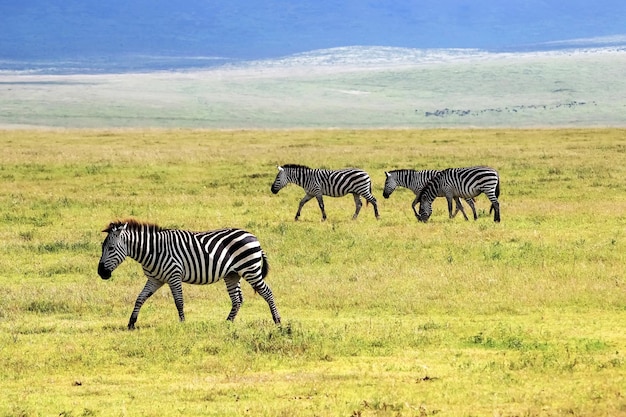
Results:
<point x="464" y="183"/>
<point x="175" y="256"/>
<point x="333" y="183"/>
<point x="416" y="181"/>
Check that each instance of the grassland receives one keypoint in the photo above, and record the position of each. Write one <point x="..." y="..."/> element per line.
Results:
<point x="380" y="318"/>
<point x="572" y="88"/>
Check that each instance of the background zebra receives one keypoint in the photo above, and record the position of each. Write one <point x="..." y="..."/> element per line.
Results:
<point x="177" y="256"/>
<point x="416" y="181"/>
<point x="464" y="183"/>
<point x="333" y="183"/>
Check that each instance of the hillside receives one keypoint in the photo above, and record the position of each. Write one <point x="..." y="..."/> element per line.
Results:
<point x="352" y="87"/>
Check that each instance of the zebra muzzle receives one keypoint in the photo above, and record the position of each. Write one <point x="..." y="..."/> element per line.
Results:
<point x="103" y="272"/>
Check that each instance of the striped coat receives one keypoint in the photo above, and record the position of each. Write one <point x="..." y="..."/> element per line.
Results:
<point x="463" y="183"/>
<point x="174" y="257"/>
<point x="332" y="183"/>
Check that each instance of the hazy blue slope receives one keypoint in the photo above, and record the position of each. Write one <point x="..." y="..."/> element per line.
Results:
<point x="248" y="29"/>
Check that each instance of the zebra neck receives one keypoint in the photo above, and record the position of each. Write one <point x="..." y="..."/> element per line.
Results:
<point x="299" y="176"/>
<point x="405" y="179"/>
<point x="141" y="246"/>
<point x="402" y="181"/>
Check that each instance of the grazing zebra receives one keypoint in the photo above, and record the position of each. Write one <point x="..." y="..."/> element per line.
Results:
<point x="175" y="256"/>
<point x="333" y="183"/>
<point x="415" y="181"/>
<point x="464" y="183"/>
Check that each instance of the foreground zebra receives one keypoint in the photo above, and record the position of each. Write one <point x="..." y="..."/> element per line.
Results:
<point x="176" y="256"/>
<point x="463" y="183"/>
<point x="416" y="181"/>
<point x="333" y="183"/>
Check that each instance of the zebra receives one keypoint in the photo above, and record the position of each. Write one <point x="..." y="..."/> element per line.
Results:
<point x="464" y="183"/>
<point x="333" y="183"/>
<point x="416" y="181"/>
<point x="171" y="256"/>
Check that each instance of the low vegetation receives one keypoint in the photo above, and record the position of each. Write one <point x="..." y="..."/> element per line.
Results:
<point x="387" y="317"/>
<point x="342" y="88"/>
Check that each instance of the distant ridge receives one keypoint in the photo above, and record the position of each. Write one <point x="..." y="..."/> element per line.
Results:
<point x="357" y="56"/>
<point x="378" y="57"/>
<point x="598" y="42"/>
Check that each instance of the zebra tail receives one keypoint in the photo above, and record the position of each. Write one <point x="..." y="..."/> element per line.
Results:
<point x="492" y="208"/>
<point x="367" y="203"/>
<point x="265" y="268"/>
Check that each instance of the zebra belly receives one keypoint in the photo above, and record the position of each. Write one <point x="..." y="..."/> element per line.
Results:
<point x="461" y="193"/>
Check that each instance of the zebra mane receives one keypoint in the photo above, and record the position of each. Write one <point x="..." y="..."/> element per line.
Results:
<point x="296" y="166"/>
<point x="401" y="170"/>
<point x="132" y="224"/>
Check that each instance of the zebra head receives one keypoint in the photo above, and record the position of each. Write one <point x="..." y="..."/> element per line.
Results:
<point x="113" y="250"/>
<point x="426" y="198"/>
<point x="280" y="181"/>
<point x="426" y="209"/>
<point x="390" y="184"/>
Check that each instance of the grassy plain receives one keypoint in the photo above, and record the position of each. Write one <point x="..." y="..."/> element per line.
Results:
<point x="578" y="88"/>
<point x="381" y="318"/>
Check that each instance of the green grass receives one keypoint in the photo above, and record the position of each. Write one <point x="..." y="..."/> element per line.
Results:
<point x="380" y="318"/>
<point x="580" y="88"/>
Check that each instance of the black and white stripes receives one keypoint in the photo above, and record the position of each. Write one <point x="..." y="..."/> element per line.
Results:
<point x="332" y="183"/>
<point x="174" y="257"/>
<point x="461" y="183"/>
<point x="416" y="181"/>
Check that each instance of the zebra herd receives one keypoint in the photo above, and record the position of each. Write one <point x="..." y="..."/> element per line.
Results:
<point x="174" y="257"/>
<point x="451" y="183"/>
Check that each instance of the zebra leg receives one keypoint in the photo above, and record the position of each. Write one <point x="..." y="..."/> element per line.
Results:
<point x="459" y="207"/>
<point x="470" y="202"/>
<point x="372" y="200"/>
<point x="149" y="289"/>
<point x="302" y="203"/>
<point x="450" y="215"/>
<point x="176" y="286"/>
<point x="320" y="202"/>
<point x="233" y="286"/>
<point x="264" y="290"/>
<point x="495" y="205"/>
<point x="358" y="203"/>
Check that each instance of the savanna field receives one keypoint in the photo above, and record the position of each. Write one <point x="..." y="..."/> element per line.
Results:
<point x="388" y="317"/>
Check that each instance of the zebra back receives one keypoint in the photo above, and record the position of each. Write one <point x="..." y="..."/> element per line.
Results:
<point x="196" y="257"/>
<point x="333" y="183"/>
<point x="337" y="183"/>
<point x="412" y="179"/>
<point x="463" y="182"/>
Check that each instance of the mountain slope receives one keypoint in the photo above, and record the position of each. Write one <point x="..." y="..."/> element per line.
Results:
<point x="248" y="29"/>
<point x="354" y="87"/>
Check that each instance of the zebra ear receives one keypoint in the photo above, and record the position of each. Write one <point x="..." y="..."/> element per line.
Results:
<point x="386" y="174"/>
<point x="125" y="226"/>
<point x="279" y="168"/>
